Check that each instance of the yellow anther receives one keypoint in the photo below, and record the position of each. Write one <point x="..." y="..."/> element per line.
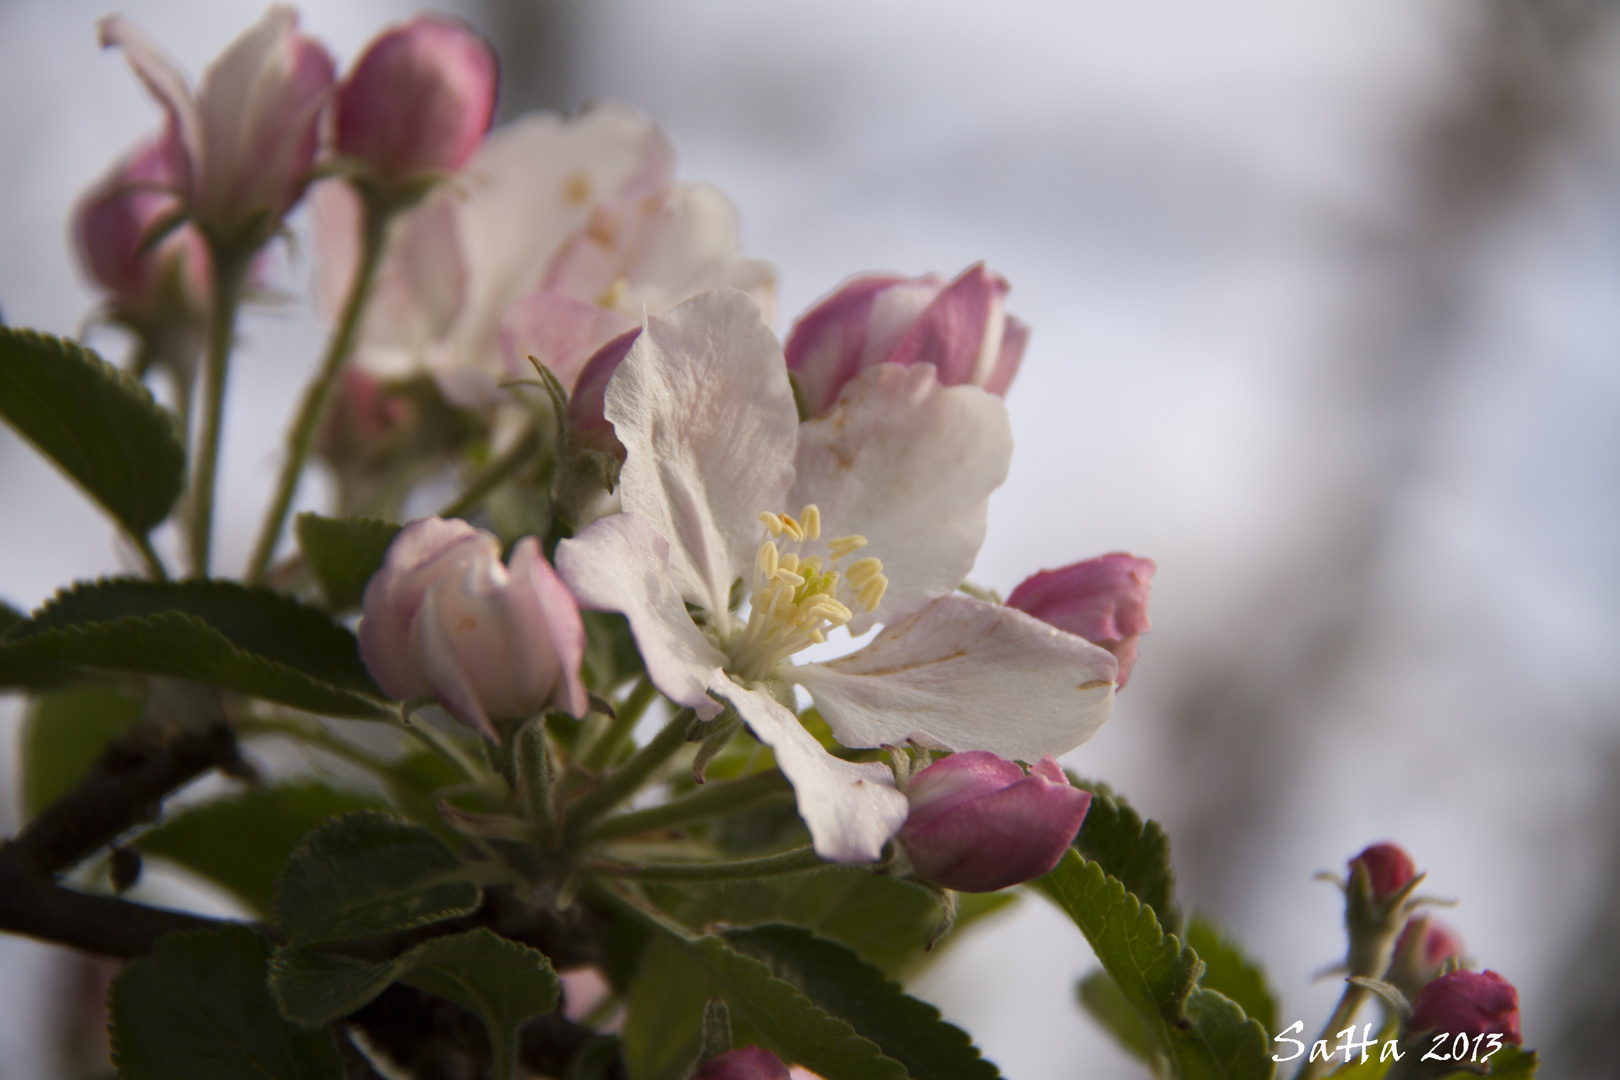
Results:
<point x="871" y="594"/>
<point x="788" y="577"/>
<point x="827" y="608"/>
<point x="862" y="571"/>
<point x="817" y="636"/>
<point x="844" y="545"/>
<point x="811" y="520"/>
<point x="791" y="527"/>
<point x="771" y="522"/>
<point x="769" y="560"/>
<point x="790" y="562"/>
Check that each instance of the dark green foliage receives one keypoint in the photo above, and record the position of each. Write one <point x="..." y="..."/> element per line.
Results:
<point x="66" y="730"/>
<point x="1136" y="852"/>
<point x="343" y="553"/>
<point x="1228" y="971"/>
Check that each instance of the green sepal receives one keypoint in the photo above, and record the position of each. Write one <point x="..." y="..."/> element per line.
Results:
<point x="365" y="874"/>
<point x="245" y="639"/>
<point x="198" y="1008"/>
<point x="343" y="554"/>
<point x="98" y="424"/>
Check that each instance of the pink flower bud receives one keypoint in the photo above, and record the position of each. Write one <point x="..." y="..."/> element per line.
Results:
<point x="363" y="420"/>
<point x="161" y="282"/>
<point x="978" y="824"/>
<point x="444" y="617"/>
<point x="1388" y="867"/>
<point x="419" y="99"/>
<point x="1421" y="953"/>
<point x="749" y="1063"/>
<point x="586" y="424"/>
<point x="961" y="328"/>
<point x="1470" y="1003"/>
<point x="1103" y="600"/>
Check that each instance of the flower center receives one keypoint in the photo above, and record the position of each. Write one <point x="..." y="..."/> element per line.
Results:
<point x="799" y="598"/>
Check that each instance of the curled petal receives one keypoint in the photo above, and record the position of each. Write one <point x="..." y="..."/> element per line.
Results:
<point x="703" y="407"/>
<point x="621" y="564"/>
<point x="546" y="602"/>
<point x="828" y="342"/>
<point x="1104" y="600"/>
<point x="970" y="676"/>
<point x="561" y="332"/>
<point x="910" y="465"/>
<point x="851" y="808"/>
<point x="164" y="79"/>
<point x="961" y="331"/>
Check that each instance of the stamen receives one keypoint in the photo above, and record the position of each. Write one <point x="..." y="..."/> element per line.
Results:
<point x="788" y="577"/>
<point x="790" y="563"/>
<point x="844" y="545"/>
<point x="811" y="519"/>
<point x="791" y="527"/>
<point x="771" y="522"/>
<point x="769" y="560"/>
<point x="871" y="594"/>
<point x="862" y="571"/>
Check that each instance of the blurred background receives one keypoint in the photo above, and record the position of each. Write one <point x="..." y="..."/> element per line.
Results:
<point x="1326" y="310"/>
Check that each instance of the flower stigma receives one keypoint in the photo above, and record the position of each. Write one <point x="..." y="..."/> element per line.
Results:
<point x="797" y="598"/>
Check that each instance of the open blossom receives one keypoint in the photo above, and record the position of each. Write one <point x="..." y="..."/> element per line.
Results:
<point x="146" y="283"/>
<point x="418" y="100"/>
<point x="962" y="328"/>
<point x="443" y="617"/>
<point x="978" y="824"/>
<point x="1104" y="600"/>
<point x="249" y="131"/>
<point x="552" y="240"/>
<point x="748" y="1063"/>
<point x="1470" y="1003"/>
<point x="715" y="457"/>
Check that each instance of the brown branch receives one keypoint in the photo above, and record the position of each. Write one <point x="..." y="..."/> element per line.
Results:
<point x="31" y="905"/>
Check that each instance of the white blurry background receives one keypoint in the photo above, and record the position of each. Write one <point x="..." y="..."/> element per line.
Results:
<point x="1326" y="309"/>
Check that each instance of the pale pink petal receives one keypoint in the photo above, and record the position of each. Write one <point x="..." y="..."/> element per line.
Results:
<point x="560" y="332"/>
<point x="704" y="410"/>
<point x="1104" y="600"/>
<point x="895" y="312"/>
<point x="851" y="808"/>
<point x="691" y="246"/>
<point x="621" y="564"/>
<point x="960" y="333"/>
<point x="825" y="348"/>
<point x="163" y="78"/>
<point x="1014" y="339"/>
<point x="910" y="465"/>
<point x="968" y="675"/>
<point x="462" y="641"/>
<point x="557" y="611"/>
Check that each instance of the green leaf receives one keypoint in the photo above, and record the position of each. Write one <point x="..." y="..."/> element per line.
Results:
<point x="198" y="1009"/>
<point x="1203" y="1033"/>
<point x="98" y="424"/>
<point x="242" y="841"/>
<point x="250" y="640"/>
<point x="64" y="733"/>
<point x="22" y="673"/>
<point x="1508" y="1063"/>
<point x="836" y="979"/>
<point x="343" y="553"/>
<point x="1136" y="852"/>
<point x="1101" y="996"/>
<point x="1229" y="971"/>
<point x="365" y="874"/>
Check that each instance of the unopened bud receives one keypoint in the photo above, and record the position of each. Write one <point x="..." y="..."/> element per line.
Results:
<point x="1422" y="952"/>
<point x="979" y="824"/>
<point x="1388" y="867"/>
<point x="962" y="328"/>
<point x="1103" y="600"/>
<point x="1468" y="1003"/>
<point x="749" y="1063"/>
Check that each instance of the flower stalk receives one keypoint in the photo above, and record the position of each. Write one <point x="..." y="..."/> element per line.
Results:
<point x="629" y="778"/>
<point x="231" y="264"/>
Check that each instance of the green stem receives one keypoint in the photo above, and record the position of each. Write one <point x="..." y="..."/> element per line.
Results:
<point x="628" y="778"/>
<point x="601" y="752"/>
<point x="712" y="800"/>
<point x="231" y="267"/>
<point x="1349" y="1002"/>
<point x="149" y="555"/>
<point x="376" y="214"/>
<point x="493" y="474"/>
<point x="311" y="732"/>
<point x="796" y="861"/>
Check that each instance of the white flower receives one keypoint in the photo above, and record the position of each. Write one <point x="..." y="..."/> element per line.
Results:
<point x="715" y="454"/>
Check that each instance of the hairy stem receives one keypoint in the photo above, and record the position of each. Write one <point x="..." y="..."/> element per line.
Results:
<point x="796" y="861"/>
<point x="478" y="489"/>
<point x="600" y="752"/>
<point x="376" y="214"/>
<point x="629" y="777"/>
<point x="231" y="267"/>
<point x="712" y="800"/>
<point x="1349" y="1002"/>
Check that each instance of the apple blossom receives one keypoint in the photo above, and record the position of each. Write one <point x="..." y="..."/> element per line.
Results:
<point x="491" y="642"/>
<point x="1422" y="951"/>
<point x="979" y="824"/>
<point x="147" y="283"/>
<point x="553" y="240"/>
<point x="714" y="456"/>
<point x="1388" y="868"/>
<point x="962" y="328"/>
<point x="587" y="425"/>
<point x="1470" y="1003"/>
<point x="1104" y="600"/>
<point x="748" y="1063"/>
<point x="418" y="100"/>
<point x="249" y="131"/>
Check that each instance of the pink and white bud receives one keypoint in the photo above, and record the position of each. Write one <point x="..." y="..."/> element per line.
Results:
<point x="444" y="617"/>
<point x="586" y="424"/>
<point x="1422" y="951"/>
<point x="147" y="282"/>
<point x="419" y="100"/>
<point x="1470" y="1003"/>
<point x="962" y="328"/>
<point x="249" y="131"/>
<point x="1103" y="600"/>
<point x="1389" y="869"/>
<point x="749" y="1063"/>
<point x="979" y="824"/>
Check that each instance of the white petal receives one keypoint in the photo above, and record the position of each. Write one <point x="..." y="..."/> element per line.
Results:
<point x="620" y="564"/>
<point x="910" y="465"/>
<point x="968" y="675"/>
<point x="852" y="808"/>
<point x="703" y="407"/>
<point x="691" y="247"/>
<point x="163" y="78"/>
